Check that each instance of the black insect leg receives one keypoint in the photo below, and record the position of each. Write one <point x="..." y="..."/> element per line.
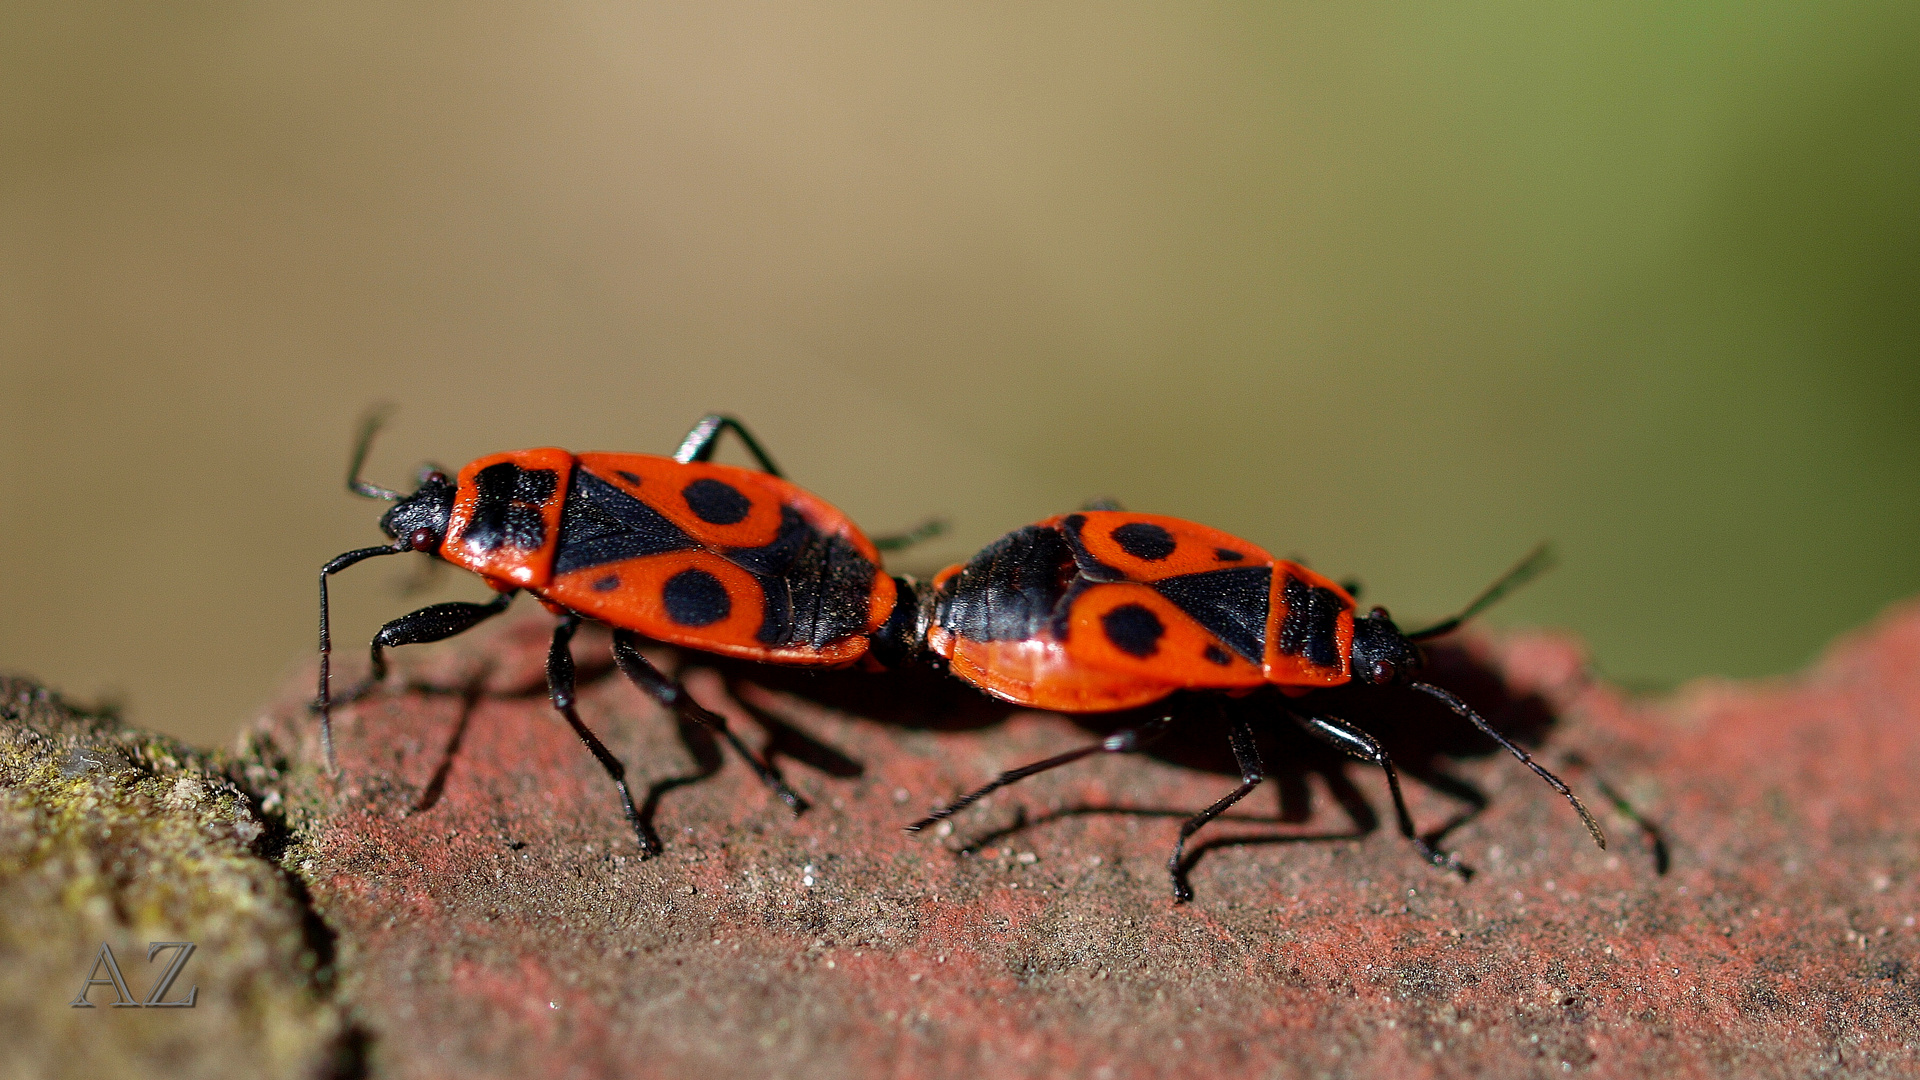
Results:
<point x="705" y="437"/>
<point x="1124" y="741"/>
<point x="322" y="702"/>
<point x="1342" y="735"/>
<point x="1473" y="802"/>
<point x="926" y="530"/>
<point x="1252" y="771"/>
<point x="671" y="694"/>
<point x="435" y="623"/>
<point x="560" y="687"/>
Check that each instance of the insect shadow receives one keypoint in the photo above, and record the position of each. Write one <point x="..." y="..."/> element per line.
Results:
<point x="783" y="740"/>
<point x="1423" y="738"/>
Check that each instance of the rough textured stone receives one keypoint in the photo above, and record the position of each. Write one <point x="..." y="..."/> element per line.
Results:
<point x="494" y="918"/>
<point x="118" y="838"/>
<point x="467" y="899"/>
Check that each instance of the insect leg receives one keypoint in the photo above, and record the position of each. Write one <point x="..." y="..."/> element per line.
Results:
<point x="705" y="436"/>
<point x="560" y="688"/>
<point x="926" y="530"/>
<point x="1342" y="735"/>
<point x="671" y="694"/>
<point x="701" y="442"/>
<point x="1124" y="741"/>
<point x="1252" y="771"/>
<point x="435" y="623"/>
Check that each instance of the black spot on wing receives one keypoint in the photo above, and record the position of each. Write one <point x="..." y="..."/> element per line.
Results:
<point x="1312" y="622"/>
<point x="1133" y="629"/>
<point x="694" y="597"/>
<point x="818" y="587"/>
<point x="601" y="524"/>
<point x="631" y="478"/>
<point x="607" y="584"/>
<point x="1232" y="604"/>
<point x="1012" y="589"/>
<point x="1227" y="555"/>
<point x="506" y="510"/>
<point x="715" y="502"/>
<point x="1144" y="540"/>
<point x="1217" y="655"/>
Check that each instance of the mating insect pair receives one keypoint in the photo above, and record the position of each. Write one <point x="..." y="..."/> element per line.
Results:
<point x="1090" y="612"/>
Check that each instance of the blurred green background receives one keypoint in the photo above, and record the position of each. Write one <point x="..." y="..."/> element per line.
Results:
<point x="1402" y="289"/>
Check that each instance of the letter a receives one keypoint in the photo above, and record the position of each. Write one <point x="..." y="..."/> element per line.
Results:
<point x="118" y="983"/>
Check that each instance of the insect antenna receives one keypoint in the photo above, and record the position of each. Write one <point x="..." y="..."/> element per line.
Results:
<point x="1537" y="560"/>
<point x="323" y="701"/>
<point x="1461" y="707"/>
<point x="1124" y="741"/>
<point x="998" y="782"/>
<point x="369" y="424"/>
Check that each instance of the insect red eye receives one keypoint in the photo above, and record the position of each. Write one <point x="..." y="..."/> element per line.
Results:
<point x="422" y="540"/>
<point x="434" y="477"/>
<point x="1381" y="672"/>
<point x="1378" y="613"/>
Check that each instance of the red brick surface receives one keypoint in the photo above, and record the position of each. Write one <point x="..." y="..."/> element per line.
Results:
<point x="499" y="922"/>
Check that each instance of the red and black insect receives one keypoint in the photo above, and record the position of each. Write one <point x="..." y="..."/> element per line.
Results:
<point x="1105" y="610"/>
<point x="674" y="549"/>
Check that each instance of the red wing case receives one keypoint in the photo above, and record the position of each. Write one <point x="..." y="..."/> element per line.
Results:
<point x="717" y="558"/>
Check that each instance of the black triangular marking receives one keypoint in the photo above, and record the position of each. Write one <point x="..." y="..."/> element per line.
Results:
<point x="602" y="524"/>
<point x="1232" y="604"/>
